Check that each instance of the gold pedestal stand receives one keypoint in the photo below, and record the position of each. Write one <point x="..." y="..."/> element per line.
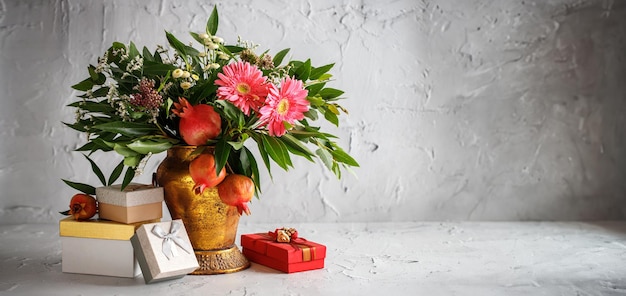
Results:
<point x="220" y="261"/>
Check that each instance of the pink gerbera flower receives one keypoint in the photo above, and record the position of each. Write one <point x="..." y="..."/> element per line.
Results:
<point x="287" y="104"/>
<point x="243" y="85"/>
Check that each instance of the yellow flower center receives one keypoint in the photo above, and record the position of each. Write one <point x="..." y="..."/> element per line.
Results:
<point x="283" y="107"/>
<point x="243" y="88"/>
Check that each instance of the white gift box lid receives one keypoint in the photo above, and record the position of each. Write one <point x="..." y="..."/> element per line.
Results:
<point x="164" y="251"/>
<point x="133" y="195"/>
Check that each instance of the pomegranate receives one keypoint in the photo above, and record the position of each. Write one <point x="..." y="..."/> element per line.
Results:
<point x="83" y="206"/>
<point x="236" y="190"/>
<point x="198" y="123"/>
<point x="202" y="171"/>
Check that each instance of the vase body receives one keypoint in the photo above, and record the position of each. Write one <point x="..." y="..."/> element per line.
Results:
<point x="210" y="223"/>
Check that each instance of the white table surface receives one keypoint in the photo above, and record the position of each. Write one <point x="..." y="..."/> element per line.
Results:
<point x="494" y="258"/>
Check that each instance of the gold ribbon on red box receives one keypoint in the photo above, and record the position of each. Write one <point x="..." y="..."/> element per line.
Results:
<point x="279" y="236"/>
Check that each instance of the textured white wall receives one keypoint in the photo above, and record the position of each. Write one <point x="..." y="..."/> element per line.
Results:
<point x="479" y="110"/>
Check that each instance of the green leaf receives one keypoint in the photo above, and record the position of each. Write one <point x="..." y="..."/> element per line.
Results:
<point x="316" y="101"/>
<point x="278" y="58"/>
<point x="333" y="109"/>
<point x="329" y="93"/>
<point x="157" y="57"/>
<point x="147" y="56"/>
<point x="176" y="44"/>
<point x="230" y="49"/>
<point x="79" y="126"/>
<point x="88" y="147"/>
<point x="100" y="92"/>
<point x="128" y="176"/>
<point x="325" y="77"/>
<point x="133" y="52"/>
<point x="211" y="24"/>
<point x="92" y="73"/>
<point x="150" y="146"/>
<point x="236" y="145"/>
<point x="343" y="157"/>
<point x="102" y="107"/>
<point x="96" y="170"/>
<point x="84" y="85"/>
<point x="250" y="167"/>
<point x="208" y="88"/>
<point x="153" y="68"/>
<point x="84" y="188"/>
<point x="196" y="36"/>
<point x="296" y="146"/>
<point x="132" y="161"/>
<point x="277" y="151"/>
<point x="122" y="150"/>
<point x="326" y="157"/>
<point x="231" y="112"/>
<point x="257" y="138"/>
<point x="222" y="150"/>
<point x="131" y="129"/>
<point x="331" y="117"/>
<point x="315" y="88"/>
<point x="316" y="73"/>
<point x="117" y="171"/>
<point x="304" y="71"/>
<point x="118" y="47"/>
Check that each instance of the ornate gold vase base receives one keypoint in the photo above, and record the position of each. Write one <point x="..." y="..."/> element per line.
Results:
<point x="220" y="261"/>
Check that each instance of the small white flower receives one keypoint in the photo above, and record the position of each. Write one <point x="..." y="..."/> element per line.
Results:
<point x="223" y="56"/>
<point x="195" y="77"/>
<point x="218" y="40"/>
<point x="204" y="36"/>
<point x="186" y="74"/>
<point x="214" y="65"/>
<point x="213" y="46"/>
<point x="177" y="73"/>
<point x="202" y="54"/>
<point x="185" y="85"/>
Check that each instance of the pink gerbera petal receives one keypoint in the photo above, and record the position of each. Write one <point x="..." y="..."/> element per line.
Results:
<point x="243" y="85"/>
<point x="287" y="104"/>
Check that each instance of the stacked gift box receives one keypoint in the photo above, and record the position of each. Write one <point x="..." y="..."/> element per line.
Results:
<point x="127" y="239"/>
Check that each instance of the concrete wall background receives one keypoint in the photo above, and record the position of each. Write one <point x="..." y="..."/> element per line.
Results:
<point x="459" y="110"/>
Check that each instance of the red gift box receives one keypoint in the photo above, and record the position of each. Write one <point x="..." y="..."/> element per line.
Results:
<point x="297" y="255"/>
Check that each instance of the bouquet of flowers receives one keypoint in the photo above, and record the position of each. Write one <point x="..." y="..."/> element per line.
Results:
<point x="142" y="102"/>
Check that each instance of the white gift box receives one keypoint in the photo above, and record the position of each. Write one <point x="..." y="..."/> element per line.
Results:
<point x="164" y="251"/>
<point x="98" y="247"/>
<point x="136" y="203"/>
<point x="99" y="257"/>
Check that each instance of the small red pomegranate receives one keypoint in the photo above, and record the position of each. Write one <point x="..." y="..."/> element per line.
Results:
<point x="236" y="190"/>
<point x="202" y="171"/>
<point x="83" y="206"/>
<point x="198" y="123"/>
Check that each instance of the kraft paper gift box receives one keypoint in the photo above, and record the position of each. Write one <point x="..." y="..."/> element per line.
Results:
<point x="98" y="247"/>
<point x="295" y="256"/>
<point x="136" y="203"/>
<point x="164" y="251"/>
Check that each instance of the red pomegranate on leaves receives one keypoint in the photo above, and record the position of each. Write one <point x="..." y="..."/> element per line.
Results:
<point x="198" y="123"/>
<point x="82" y="207"/>
<point x="202" y="171"/>
<point x="236" y="190"/>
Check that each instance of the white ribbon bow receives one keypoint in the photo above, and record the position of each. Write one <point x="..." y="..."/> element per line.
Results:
<point x="169" y="239"/>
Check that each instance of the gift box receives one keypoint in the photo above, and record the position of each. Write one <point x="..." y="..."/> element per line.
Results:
<point x="136" y="203"/>
<point x="297" y="255"/>
<point x="98" y="247"/>
<point x="164" y="251"/>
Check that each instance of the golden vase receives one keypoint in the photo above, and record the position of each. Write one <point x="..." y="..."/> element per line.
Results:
<point x="210" y="223"/>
